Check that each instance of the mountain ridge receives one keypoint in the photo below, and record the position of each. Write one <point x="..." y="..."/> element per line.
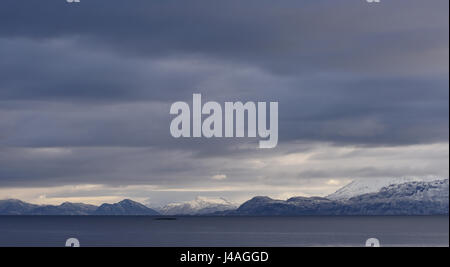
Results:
<point x="364" y="186"/>
<point x="413" y="198"/>
<point x="198" y="206"/>
<point x="410" y="198"/>
<point x="124" y="207"/>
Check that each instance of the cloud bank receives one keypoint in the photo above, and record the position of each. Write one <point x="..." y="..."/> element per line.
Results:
<point x="85" y="93"/>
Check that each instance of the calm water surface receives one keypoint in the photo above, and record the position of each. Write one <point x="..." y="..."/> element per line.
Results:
<point x="223" y="231"/>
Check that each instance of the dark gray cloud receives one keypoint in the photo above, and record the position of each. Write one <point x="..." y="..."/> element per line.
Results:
<point x="288" y="36"/>
<point x="98" y="78"/>
<point x="96" y="98"/>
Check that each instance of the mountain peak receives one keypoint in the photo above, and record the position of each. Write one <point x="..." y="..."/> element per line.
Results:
<point x="434" y="191"/>
<point x="12" y="200"/>
<point x="15" y="207"/>
<point x="411" y="198"/>
<point x="365" y="186"/>
<point x="125" y="207"/>
<point x="198" y="206"/>
<point x="129" y="202"/>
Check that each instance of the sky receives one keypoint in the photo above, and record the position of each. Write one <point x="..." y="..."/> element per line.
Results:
<point x="86" y="89"/>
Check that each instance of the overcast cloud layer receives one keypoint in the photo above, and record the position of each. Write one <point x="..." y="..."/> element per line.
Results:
<point x="85" y="91"/>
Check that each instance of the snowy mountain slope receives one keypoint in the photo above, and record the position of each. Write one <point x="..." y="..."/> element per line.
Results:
<point x="198" y="206"/>
<point x="372" y="185"/>
<point x="435" y="191"/>
<point x="411" y="198"/>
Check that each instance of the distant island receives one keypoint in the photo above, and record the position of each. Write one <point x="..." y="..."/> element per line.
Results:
<point x="392" y="198"/>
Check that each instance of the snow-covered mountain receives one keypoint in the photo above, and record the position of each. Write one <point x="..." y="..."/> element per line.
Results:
<point x="434" y="191"/>
<point x="372" y="185"/>
<point x="198" y="206"/>
<point x="411" y="198"/>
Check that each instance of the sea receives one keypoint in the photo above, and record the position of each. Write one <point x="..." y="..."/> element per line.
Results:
<point x="149" y="231"/>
